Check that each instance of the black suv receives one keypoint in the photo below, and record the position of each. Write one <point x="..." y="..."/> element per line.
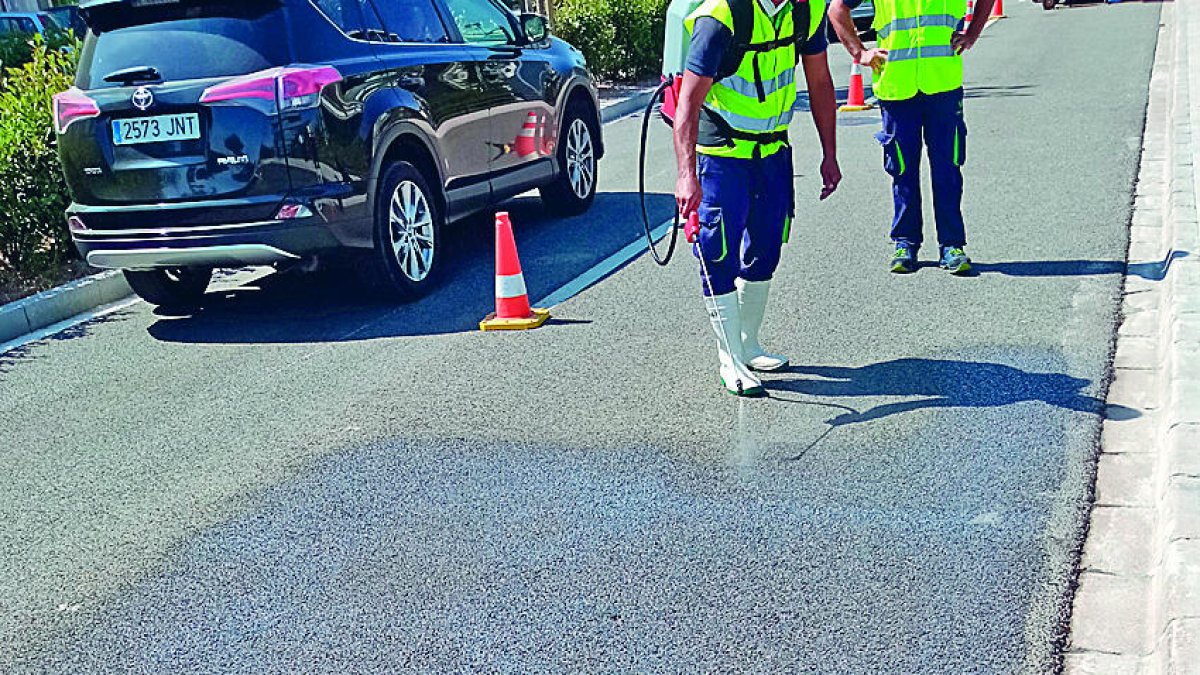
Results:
<point x="224" y="133"/>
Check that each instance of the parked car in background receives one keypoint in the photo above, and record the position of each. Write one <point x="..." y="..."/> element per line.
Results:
<point x="29" y="23"/>
<point x="68" y="16"/>
<point x="864" y="18"/>
<point x="313" y="128"/>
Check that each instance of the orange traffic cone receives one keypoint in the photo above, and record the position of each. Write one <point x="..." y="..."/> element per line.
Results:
<point x="526" y="143"/>
<point x="970" y="11"/>
<point x="997" y="11"/>
<point x="512" y="300"/>
<point x="856" y="100"/>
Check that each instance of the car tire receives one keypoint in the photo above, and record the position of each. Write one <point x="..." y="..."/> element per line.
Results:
<point x="1049" y="4"/>
<point x="574" y="190"/>
<point x="170" y="288"/>
<point x="405" y="262"/>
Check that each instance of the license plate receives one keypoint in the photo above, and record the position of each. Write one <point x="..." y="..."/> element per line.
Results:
<point x="159" y="129"/>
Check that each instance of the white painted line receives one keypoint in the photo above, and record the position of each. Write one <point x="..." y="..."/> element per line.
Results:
<point x="79" y="319"/>
<point x="602" y="269"/>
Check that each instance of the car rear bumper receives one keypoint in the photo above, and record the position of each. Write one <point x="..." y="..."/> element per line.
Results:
<point x="230" y="245"/>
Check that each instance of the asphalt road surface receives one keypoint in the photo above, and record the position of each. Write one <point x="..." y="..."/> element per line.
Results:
<point x="294" y="480"/>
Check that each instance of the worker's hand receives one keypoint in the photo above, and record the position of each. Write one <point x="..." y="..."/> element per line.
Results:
<point x="876" y="58"/>
<point x="961" y="42"/>
<point x="831" y="176"/>
<point x="688" y="194"/>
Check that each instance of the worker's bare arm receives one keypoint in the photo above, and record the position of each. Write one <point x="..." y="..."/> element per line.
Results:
<point x="823" y="101"/>
<point x="843" y="25"/>
<point x="964" y="40"/>
<point x="687" y="128"/>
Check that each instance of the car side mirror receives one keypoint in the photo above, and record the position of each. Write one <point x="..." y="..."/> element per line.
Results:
<point x="535" y="28"/>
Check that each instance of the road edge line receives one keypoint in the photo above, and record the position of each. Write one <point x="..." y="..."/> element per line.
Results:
<point x="60" y="304"/>
<point x="604" y="268"/>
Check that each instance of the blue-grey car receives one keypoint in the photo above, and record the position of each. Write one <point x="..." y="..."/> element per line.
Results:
<point x="29" y="23"/>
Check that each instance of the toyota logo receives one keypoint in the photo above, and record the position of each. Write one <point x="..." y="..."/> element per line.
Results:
<point x="143" y="99"/>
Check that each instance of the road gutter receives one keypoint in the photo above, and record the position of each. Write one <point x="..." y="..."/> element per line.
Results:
<point x="1137" y="609"/>
<point x="58" y="305"/>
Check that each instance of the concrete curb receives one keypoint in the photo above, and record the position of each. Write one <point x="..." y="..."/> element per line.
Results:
<point x="59" y="304"/>
<point x="626" y="106"/>
<point x="1137" y="609"/>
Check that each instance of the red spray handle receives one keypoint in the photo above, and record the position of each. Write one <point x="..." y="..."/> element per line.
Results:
<point x="691" y="231"/>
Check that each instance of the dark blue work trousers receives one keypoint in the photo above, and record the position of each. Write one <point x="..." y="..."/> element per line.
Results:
<point x="933" y="121"/>
<point x="745" y="216"/>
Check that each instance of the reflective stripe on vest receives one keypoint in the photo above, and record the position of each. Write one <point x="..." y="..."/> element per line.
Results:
<point x="920" y="53"/>
<point x="759" y="97"/>
<point x="747" y="87"/>
<point x="755" y="124"/>
<point x="917" y="36"/>
<point x="914" y="22"/>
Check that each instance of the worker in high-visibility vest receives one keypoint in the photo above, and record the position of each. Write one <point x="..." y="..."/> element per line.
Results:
<point x="735" y="105"/>
<point x="919" y="83"/>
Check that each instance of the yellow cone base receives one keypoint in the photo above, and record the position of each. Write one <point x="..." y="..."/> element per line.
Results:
<point x="855" y="108"/>
<point x="492" y="323"/>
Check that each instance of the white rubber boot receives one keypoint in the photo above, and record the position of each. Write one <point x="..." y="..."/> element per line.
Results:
<point x="752" y="296"/>
<point x="726" y="320"/>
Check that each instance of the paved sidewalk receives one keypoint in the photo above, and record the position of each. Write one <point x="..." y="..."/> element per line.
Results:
<point x="1137" y="609"/>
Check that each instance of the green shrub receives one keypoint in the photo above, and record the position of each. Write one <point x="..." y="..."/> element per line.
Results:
<point x="16" y="49"/>
<point x="33" y="194"/>
<point x="622" y="39"/>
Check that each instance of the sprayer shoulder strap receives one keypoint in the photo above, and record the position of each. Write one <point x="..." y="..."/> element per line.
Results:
<point x="742" y="12"/>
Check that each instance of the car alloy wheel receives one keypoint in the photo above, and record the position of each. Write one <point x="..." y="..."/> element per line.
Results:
<point x="411" y="229"/>
<point x="581" y="159"/>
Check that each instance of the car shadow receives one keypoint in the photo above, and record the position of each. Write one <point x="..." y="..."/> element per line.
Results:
<point x="940" y="384"/>
<point x="331" y="306"/>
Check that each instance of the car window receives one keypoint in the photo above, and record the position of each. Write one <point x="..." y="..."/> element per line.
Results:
<point x="347" y="15"/>
<point x="216" y="39"/>
<point x="482" y="22"/>
<point x="17" y="25"/>
<point x="411" y="21"/>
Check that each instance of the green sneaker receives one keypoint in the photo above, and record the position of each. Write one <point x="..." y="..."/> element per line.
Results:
<point x="955" y="261"/>
<point x="904" y="260"/>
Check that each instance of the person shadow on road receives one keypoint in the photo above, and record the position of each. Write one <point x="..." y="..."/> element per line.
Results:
<point x="941" y="384"/>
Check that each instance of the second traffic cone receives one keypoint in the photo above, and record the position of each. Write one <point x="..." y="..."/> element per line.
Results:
<point x="997" y="11"/>
<point x="856" y="99"/>
<point x="545" y="144"/>
<point x="512" y="300"/>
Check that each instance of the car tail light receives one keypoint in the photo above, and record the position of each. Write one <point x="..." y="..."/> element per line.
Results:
<point x="288" y="89"/>
<point x="71" y="106"/>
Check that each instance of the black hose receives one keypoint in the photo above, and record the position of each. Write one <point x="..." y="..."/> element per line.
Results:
<point x="662" y="260"/>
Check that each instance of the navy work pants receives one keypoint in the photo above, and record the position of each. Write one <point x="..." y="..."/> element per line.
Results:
<point x="745" y="216"/>
<point x="933" y="121"/>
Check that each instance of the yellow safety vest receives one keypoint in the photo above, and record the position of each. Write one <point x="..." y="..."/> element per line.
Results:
<point x="747" y="113"/>
<point x="916" y="35"/>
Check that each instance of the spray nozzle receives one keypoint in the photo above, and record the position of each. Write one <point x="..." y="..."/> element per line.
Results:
<point x="691" y="230"/>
